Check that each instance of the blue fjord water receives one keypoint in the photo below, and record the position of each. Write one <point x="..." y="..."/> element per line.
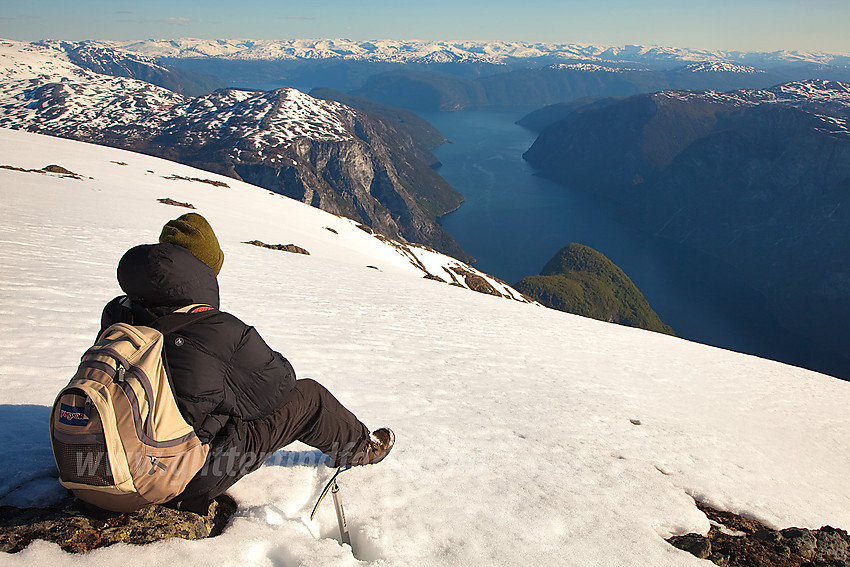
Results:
<point x="513" y="222"/>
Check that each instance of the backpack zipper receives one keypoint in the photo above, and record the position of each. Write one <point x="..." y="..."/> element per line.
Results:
<point x="156" y="463"/>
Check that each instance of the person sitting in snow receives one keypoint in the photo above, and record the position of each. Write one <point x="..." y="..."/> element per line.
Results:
<point x="238" y="394"/>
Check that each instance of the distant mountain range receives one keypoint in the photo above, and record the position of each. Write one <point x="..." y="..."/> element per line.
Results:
<point x="494" y="52"/>
<point x="757" y="178"/>
<point x="321" y="152"/>
<point x="441" y="75"/>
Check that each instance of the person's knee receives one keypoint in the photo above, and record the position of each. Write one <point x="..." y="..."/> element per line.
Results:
<point x="309" y="388"/>
<point x="306" y="383"/>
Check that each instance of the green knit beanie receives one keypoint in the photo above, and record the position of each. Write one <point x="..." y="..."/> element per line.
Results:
<point x="193" y="232"/>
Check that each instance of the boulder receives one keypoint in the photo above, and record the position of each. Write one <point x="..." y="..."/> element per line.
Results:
<point x="78" y="527"/>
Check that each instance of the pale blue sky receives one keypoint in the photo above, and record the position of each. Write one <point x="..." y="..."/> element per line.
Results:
<point x="752" y="25"/>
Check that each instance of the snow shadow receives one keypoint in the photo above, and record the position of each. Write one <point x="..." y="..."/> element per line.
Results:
<point x="29" y="478"/>
<point x="284" y="458"/>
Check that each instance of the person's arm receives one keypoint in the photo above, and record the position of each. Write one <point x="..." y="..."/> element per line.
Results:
<point x="116" y="311"/>
<point x="259" y="380"/>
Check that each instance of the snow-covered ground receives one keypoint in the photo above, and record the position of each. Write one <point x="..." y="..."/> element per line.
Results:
<point x="525" y="435"/>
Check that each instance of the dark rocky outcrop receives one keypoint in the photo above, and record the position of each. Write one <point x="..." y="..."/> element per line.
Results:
<point x="282" y="247"/>
<point x="581" y="280"/>
<point x="476" y="282"/>
<point x="735" y="541"/>
<point x="78" y="527"/>
<point x="55" y="169"/>
<point x="175" y="177"/>
<point x="173" y="203"/>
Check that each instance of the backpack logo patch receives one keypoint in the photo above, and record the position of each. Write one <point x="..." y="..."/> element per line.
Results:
<point x="72" y="415"/>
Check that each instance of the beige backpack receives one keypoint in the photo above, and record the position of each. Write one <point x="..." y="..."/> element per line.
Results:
<point x="118" y="438"/>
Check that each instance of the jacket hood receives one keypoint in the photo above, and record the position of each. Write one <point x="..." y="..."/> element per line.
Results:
<point x="166" y="275"/>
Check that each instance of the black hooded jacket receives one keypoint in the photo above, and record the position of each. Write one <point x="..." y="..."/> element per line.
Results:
<point x="221" y="370"/>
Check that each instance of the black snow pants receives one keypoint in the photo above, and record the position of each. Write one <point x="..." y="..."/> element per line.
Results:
<point x="310" y="414"/>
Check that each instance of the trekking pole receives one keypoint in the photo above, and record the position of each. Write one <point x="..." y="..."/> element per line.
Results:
<point x="340" y="515"/>
<point x="333" y="488"/>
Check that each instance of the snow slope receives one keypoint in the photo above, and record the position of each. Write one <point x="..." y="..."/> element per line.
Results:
<point x="525" y="435"/>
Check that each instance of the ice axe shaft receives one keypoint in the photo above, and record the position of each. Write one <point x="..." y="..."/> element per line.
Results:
<point x="340" y="515"/>
<point x="333" y="488"/>
<point x="331" y="483"/>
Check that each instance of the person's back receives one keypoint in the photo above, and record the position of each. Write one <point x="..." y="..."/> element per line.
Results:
<point x="238" y="394"/>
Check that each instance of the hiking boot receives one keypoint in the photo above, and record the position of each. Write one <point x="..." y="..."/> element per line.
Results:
<point x="378" y="446"/>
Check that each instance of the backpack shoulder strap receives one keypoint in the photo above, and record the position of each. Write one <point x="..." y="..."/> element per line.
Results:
<point x="182" y="317"/>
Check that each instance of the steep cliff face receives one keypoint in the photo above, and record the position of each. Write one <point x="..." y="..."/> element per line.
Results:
<point x="320" y="152"/>
<point x="760" y="179"/>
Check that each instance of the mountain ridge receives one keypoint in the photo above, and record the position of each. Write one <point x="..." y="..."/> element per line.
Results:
<point x="447" y="75"/>
<point x="455" y="51"/>
<point x="321" y="152"/>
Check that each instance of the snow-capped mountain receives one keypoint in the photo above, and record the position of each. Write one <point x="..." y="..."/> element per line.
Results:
<point x="590" y="68"/>
<point x="43" y="88"/>
<point x="318" y="151"/>
<point x="524" y="435"/>
<point x="61" y="59"/>
<point x="451" y="51"/>
<point x="829" y="101"/>
<point x="48" y="91"/>
<point x="377" y="50"/>
<point x="103" y="60"/>
<point x="718" y="67"/>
